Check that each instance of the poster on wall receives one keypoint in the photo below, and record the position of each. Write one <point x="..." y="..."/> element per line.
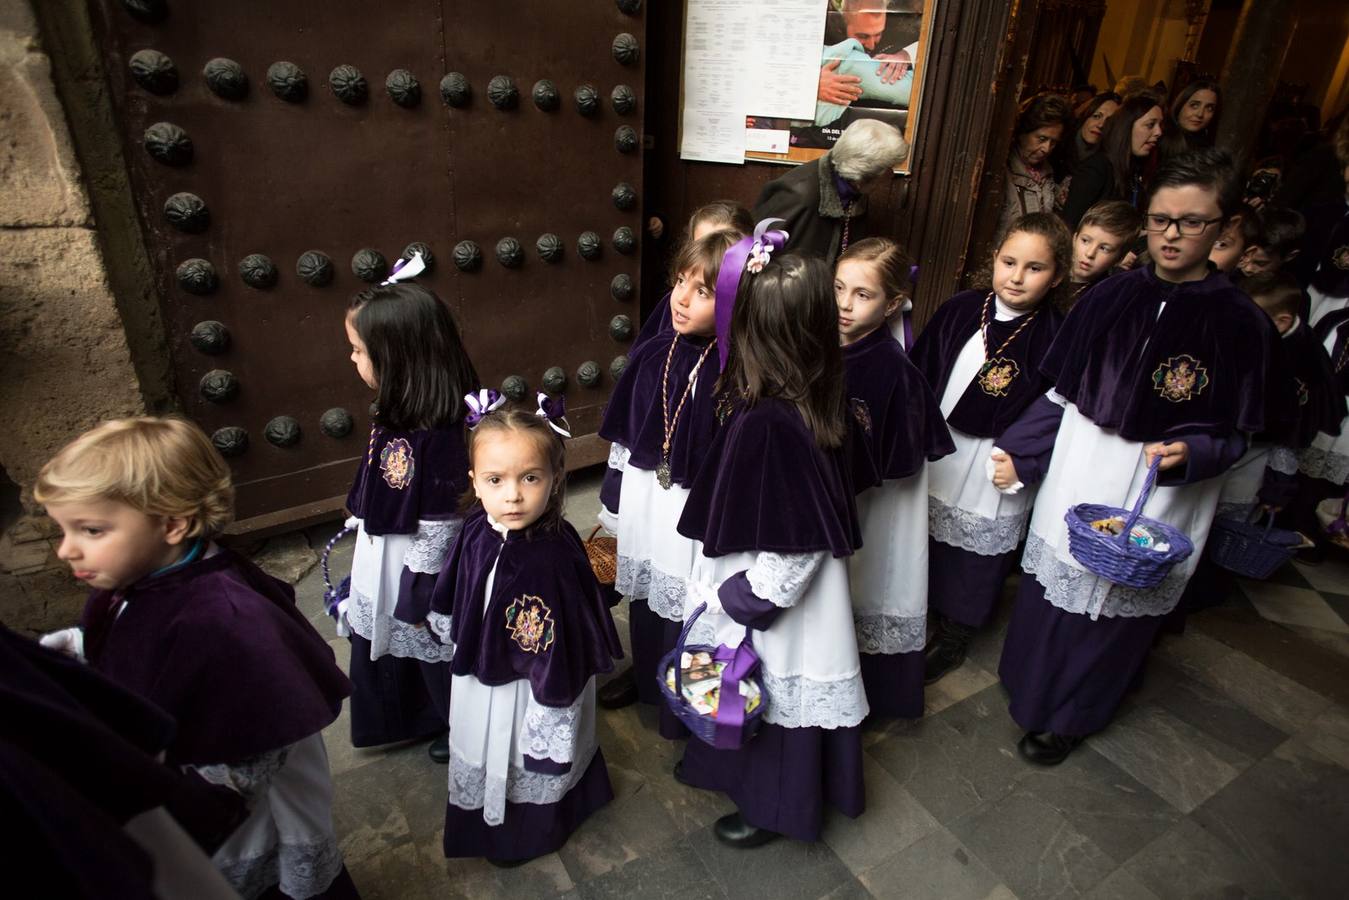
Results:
<point x="779" y="80"/>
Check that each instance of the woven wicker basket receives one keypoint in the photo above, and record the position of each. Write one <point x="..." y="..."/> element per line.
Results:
<point x="603" y="555"/>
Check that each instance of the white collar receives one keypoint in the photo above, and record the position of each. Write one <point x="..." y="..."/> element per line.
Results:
<point x="1003" y="312"/>
<point x="498" y="527"/>
<point x="1297" y="323"/>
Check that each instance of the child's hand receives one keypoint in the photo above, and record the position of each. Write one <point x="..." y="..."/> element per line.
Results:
<point x="69" y="641"/>
<point x="1176" y="453"/>
<point x="1004" y="472"/>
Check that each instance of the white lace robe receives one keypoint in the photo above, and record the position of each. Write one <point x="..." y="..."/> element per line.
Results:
<point x="889" y="573"/>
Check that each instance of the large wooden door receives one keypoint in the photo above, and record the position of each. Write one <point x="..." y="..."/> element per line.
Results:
<point x="280" y="152"/>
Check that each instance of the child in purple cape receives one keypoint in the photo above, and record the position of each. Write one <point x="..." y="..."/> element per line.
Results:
<point x="981" y="353"/>
<point x="660" y="421"/>
<point x="773" y="511"/>
<point x="531" y="631"/>
<point x="902" y="430"/>
<point x="404" y="505"/>
<point x="1167" y="361"/>
<point x="207" y="637"/>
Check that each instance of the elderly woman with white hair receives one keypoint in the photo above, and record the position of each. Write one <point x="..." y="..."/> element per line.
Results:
<point x="824" y="202"/>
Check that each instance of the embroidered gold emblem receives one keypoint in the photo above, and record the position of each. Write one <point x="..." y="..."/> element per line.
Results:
<point x="997" y="376"/>
<point x="1341" y="258"/>
<point x="397" y="464"/>
<point x="530" y="623"/>
<point x="861" y="412"/>
<point x="1180" y="378"/>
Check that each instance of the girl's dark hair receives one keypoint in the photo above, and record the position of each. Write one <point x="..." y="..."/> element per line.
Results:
<point x="1060" y="240"/>
<point x="1209" y="168"/>
<point x="784" y="343"/>
<point x="704" y="255"/>
<point x="890" y="260"/>
<point x="522" y="420"/>
<point x="1041" y="110"/>
<point x="1117" y="138"/>
<point x="1203" y="84"/>
<point x="1086" y="110"/>
<point x="419" y="359"/>
<point x="723" y="214"/>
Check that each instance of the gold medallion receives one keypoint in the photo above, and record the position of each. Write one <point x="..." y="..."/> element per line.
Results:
<point x="997" y="375"/>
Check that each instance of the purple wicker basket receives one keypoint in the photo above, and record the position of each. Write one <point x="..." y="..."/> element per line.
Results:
<point x="334" y="595"/>
<point x="731" y="727"/>
<point x="1243" y="547"/>
<point x="1115" y="557"/>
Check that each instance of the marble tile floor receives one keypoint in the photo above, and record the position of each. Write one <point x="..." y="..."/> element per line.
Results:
<point x="1226" y="775"/>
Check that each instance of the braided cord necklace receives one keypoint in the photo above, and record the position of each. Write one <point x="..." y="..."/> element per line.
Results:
<point x="671" y="421"/>
<point x="997" y="373"/>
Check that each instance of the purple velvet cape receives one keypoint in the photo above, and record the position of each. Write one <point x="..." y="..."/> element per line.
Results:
<point x="536" y="563"/>
<point x="767" y="486"/>
<point x="899" y="417"/>
<point x="633" y="415"/>
<point x="1335" y="322"/>
<point x="1303" y="396"/>
<point x="957" y="320"/>
<point x="438" y="481"/>
<point x="219" y="645"/>
<point x="1327" y="233"/>
<point x="1113" y="345"/>
<point x="657" y="324"/>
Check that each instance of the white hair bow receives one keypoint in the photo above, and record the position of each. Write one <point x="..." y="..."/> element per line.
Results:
<point x="405" y="269"/>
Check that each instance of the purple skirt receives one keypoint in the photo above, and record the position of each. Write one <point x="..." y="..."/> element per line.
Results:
<point x="652" y="637"/>
<point x="1066" y="673"/>
<point x="782" y="779"/>
<point x="963" y="585"/>
<point x="529" y="829"/>
<point x="395" y="699"/>
<point x="894" y="684"/>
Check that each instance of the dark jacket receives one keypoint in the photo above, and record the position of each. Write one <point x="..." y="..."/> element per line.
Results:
<point x="1093" y="182"/>
<point x="808" y="201"/>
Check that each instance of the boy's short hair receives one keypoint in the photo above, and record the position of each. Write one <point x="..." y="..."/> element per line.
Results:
<point x="1274" y="292"/>
<point x="1114" y="216"/>
<point x="1283" y="229"/>
<point x="1251" y="227"/>
<point x="159" y="466"/>
<point x="1208" y="168"/>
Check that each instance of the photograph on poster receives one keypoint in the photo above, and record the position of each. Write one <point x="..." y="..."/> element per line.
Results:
<point x="870" y="67"/>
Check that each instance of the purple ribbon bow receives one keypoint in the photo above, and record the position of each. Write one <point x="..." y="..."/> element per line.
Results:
<point x="554" y="411"/>
<point x="762" y="243"/>
<point x="741" y="663"/>
<point x="480" y="404"/>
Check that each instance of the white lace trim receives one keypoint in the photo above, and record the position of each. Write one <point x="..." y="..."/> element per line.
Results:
<point x="439" y="623"/>
<point x="393" y="637"/>
<point x="796" y="701"/>
<point x="1315" y="462"/>
<point x="471" y="788"/>
<point x="638" y="579"/>
<point x="782" y="578"/>
<point x="970" y="531"/>
<point x="550" y="733"/>
<point x="1078" y="591"/>
<point x="884" y="633"/>
<point x="431" y="545"/>
<point x="250" y="778"/>
<point x="618" y="457"/>
<point x="1283" y="460"/>
<point x="301" y="870"/>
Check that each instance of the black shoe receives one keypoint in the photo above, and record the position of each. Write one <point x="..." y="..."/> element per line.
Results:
<point x="679" y="773"/>
<point x="734" y="831"/>
<point x="439" y="749"/>
<point x="620" y="692"/>
<point x="946" y="651"/>
<point x="1047" y="748"/>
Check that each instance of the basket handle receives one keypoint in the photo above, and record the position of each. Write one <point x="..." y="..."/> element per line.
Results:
<point x="327" y="551"/>
<point x="594" y="531"/>
<point x="1142" y="499"/>
<point x="679" y="647"/>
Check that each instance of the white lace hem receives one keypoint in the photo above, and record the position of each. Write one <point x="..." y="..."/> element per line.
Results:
<point x="549" y="732"/>
<point x="782" y="578"/>
<point x="393" y="638"/>
<point x="471" y="788"/>
<point x="618" y="457"/>
<point x="638" y="579"/>
<point x="439" y="623"/>
<point x="1315" y="462"/>
<point x="301" y="870"/>
<point x="970" y="531"/>
<point x="1076" y="590"/>
<point x="431" y="545"/>
<point x="887" y="634"/>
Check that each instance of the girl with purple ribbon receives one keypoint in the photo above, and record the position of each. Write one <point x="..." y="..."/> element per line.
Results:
<point x="530" y="628"/>
<point x="772" y="511"/>
<point x="404" y="504"/>
<point x="901" y="429"/>
<point x="661" y="420"/>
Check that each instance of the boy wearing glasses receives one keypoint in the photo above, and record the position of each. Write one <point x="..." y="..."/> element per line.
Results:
<point x="1164" y="362"/>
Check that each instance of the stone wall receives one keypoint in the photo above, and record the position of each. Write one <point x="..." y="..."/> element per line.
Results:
<point x="65" y="363"/>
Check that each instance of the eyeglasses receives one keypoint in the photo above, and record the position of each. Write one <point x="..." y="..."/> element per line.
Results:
<point x="1188" y="225"/>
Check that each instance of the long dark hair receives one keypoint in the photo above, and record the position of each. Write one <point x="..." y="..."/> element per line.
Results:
<point x="784" y="343"/>
<point x="418" y="357"/>
<point x="1210" y="131"/>
<point x="1116" y="141"/>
